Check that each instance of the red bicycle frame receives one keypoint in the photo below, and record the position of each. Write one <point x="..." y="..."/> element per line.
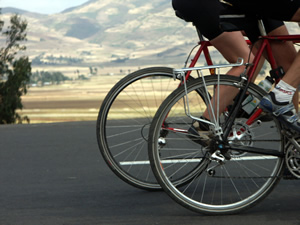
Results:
<point x="266" y="47"/>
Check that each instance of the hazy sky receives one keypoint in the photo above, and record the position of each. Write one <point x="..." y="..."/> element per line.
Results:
<point x="41" y="6"/>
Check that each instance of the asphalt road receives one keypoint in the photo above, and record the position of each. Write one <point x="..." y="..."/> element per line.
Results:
<point x="54" y="174"/>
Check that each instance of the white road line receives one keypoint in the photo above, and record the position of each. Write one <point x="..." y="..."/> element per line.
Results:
<point x="147" y="162"/>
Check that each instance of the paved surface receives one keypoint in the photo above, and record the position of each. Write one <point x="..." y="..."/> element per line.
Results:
<point x="54" y="174"/>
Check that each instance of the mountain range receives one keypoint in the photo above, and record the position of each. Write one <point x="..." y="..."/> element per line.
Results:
<point x="108" y="32"/>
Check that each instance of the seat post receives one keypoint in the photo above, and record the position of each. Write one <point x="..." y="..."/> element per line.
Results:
<point x="261" y="28"/>
<point x="201" y="38"/>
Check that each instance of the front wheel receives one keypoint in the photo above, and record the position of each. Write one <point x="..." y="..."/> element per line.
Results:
<point x="214" y="186"/>
<point x="124" y="120"/>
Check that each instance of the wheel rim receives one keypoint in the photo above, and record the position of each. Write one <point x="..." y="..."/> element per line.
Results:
<point x="234" y="186"/>
<point x="123" y="127"/>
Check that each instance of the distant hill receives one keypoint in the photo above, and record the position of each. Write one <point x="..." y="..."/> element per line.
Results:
<point x="108" y="32"/>
<point x="105" y="32"/>
<point x="13" y="10"/>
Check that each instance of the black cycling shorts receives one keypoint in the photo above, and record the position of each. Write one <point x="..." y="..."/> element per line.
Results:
<point x="205" y="15"/>
<point x="275" y="9"/>
<point x="253" y="32"/>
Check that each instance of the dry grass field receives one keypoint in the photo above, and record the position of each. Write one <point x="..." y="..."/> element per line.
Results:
<point x="71" y="101"/>
<point x="76" y="100"/>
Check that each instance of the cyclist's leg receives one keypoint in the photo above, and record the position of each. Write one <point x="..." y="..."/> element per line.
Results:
<point x="226" y="44"/>
<point x="281" y="97"/>
<point x="282" y="10"/>
<point x="296" y="17"/>
<point x="284" y="53"/>
<point x="292" y="76"/>
<point x="284" y="91"/>
<point x="201" y="11"/>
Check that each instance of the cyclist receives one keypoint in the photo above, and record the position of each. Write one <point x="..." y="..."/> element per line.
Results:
<point x="279" y="101"/>
<point x="202" y="11"/>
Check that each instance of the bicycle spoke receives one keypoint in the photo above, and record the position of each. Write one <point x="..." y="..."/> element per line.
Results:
<point x="124" y="120"/>
<point x="211" y="182"/>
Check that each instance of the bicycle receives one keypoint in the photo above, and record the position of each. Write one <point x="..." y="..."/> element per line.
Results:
<point x="238" y="161"/>
<point x="128" y="109"/>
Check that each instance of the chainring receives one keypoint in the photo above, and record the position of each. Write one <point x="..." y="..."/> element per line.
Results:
<point x="292" y="157"/>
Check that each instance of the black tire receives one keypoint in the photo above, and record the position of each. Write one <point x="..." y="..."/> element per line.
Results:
<point x="214" y="188"/>
<point x="124" y="120"/>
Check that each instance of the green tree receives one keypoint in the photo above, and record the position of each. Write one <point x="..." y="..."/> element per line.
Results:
<point x="15" y="70"/>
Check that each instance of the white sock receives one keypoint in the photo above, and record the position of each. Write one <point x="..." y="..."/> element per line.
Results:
<point x="284" y="92"/>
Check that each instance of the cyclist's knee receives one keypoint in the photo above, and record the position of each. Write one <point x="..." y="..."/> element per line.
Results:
<point x="232" y="46"/>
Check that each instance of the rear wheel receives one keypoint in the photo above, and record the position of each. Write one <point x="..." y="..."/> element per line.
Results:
<point x="216" y="185"/>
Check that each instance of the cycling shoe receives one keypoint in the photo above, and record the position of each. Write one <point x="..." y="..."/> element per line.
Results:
<point x="198" y="132"/>
<point x="284" y="111"/>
